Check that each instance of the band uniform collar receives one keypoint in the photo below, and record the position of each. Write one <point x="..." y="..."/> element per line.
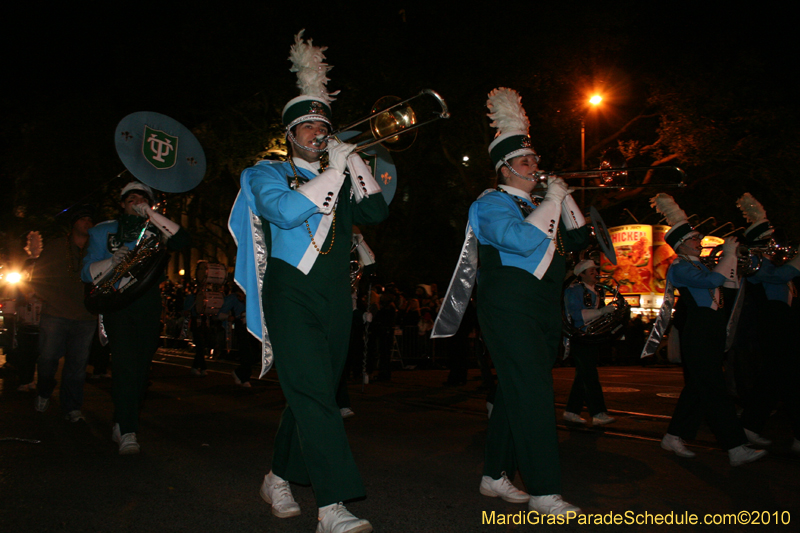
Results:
<point x="302" y="163"/>
<point x="517" y="192"/>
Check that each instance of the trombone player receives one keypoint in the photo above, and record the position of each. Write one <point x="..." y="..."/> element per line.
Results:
<point x="301" y="211"/>
<point x="522" y="242"/>
<point x="703" y="314"/>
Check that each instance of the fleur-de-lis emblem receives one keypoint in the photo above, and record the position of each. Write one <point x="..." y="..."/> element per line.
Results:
<point x="386" y="178"/>
<point x="126" y="135"/>
<point x="192" y="161"/>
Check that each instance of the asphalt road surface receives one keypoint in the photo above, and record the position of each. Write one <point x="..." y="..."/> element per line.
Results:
<point x="206" y="445"/>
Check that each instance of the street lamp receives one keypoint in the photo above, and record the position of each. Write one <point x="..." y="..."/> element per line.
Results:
<point x="594" y="101"/>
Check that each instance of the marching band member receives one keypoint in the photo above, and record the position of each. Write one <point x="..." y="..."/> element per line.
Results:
<point x="132" y="331"/>
<point x="522" y="243"/>
<point x="584" y="303"/>
<point x="301" y="213"/>
<point x="706" y="309"/>
<point x="776" y="326"/>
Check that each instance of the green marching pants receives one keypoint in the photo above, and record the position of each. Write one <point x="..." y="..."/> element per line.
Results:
<point x="308" y="318"/>
<point x="522" y="334"/>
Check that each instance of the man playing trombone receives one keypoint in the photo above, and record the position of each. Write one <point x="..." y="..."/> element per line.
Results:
<point x="300" y="213"/>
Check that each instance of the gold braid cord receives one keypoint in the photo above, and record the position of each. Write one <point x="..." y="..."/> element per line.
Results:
<point x="308" y="227"/>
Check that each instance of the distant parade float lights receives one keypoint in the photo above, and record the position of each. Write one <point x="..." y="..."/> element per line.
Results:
<point x="643" y="258"/>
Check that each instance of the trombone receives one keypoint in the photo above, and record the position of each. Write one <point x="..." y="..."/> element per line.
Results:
<point x="389" y="119"/>
<point x="608" y="175"/>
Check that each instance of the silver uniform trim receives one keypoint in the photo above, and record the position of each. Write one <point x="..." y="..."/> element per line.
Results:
<point x="662" y="321"/>
<point x="460" y="289"/>
<point x="260" y="251"/>
<point x="458" y="293"/>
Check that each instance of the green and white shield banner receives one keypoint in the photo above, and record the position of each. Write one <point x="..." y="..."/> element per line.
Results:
<point x="147" y="144"/>
<point x="159" y="148"/>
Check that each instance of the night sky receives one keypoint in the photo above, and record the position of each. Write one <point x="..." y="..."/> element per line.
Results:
<point x="73" y="72"/>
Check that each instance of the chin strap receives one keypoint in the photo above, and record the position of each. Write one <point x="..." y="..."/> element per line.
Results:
<point x="290" y="136"/>
<point x="517" y="174"/>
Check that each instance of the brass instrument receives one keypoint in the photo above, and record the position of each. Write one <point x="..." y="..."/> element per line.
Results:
<point x="613" y="167"/>
<point x="389" y="119"/>
<point x="604" y="328"/>
<point x="185" y="168"/>
<point x="142" y="266"/>
<point x="608" y="175"/>
<point x="750" y="258"/>
<point x="780" y="253"/>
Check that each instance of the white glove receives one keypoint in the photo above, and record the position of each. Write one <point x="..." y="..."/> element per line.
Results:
<point x="361" y="176"/>
<point x="590" y="315"/>
<point x="337" y="154"/>
<point x="557" y="189"/>
<point x="607" y="310"/>
<point x="727" y="264"/>
<point x="730" y="246"/>
<point x="142" y="209"/>
<point x="167" y="227"/>
<point x="119" y="255"/>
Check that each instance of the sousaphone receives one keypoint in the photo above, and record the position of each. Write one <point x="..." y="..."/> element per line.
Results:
<point x="163" y="154"/>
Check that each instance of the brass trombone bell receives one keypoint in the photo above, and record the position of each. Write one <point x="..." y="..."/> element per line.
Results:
<point x="389" y="120"/>
<point x="390" y="123"/>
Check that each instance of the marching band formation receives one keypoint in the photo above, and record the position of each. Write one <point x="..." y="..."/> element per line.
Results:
<point x="293" y="224"/>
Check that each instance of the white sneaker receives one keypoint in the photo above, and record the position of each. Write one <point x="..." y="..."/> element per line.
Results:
<point x="673" y="443"/>
<point x="127" y="442"/>
<point x="572" y="417"/>
<point x="41" y="404"/>
<point x="601" y="419"/>
<point x="502" y="488"/>
<point x="346" y="412"/>
<point x="552" y="504"/>
<point x="756" y="439"/>
<point x="276" y="492"/>
<point x="742" y="454"/>
<point x="74" y="416"/>
<point x="336" y="519"/>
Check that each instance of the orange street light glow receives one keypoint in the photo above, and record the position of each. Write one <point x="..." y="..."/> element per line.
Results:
<point x="596" y="99"/>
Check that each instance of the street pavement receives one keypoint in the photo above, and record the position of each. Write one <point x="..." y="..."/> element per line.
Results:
<point x="206" y="445"/>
